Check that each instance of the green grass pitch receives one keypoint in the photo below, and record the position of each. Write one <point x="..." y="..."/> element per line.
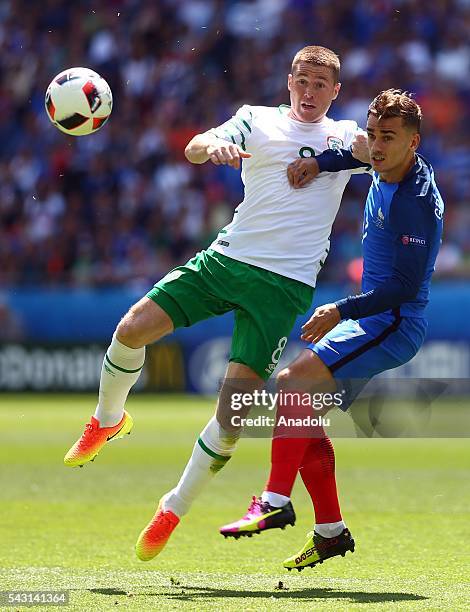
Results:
<point x="406" y="502"/>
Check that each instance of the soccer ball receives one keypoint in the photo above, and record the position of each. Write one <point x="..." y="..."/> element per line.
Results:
<point x="78" y="101"/>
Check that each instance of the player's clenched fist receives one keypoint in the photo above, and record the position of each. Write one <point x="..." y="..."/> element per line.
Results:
<point x="301" y="171"/>
<point x="226" y="154"/>
<point x="320" y="323"/>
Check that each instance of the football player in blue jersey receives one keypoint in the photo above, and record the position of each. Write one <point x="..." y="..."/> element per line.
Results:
<point x="361" y="335"/>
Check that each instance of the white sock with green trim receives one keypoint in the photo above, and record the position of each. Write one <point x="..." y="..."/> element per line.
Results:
<point x="211" y="452"/>
<point x="120" y="371"/>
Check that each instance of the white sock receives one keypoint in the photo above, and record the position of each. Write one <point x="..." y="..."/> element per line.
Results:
<point x="210" y="453"/>
<point x="330" y="530"/>
<point x="275" y="499"/>
<point x="120" y="371"/>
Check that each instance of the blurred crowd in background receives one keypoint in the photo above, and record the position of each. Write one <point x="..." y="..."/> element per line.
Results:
<point x="123" y="205"/>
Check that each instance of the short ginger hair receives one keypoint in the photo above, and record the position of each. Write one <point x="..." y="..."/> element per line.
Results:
<point x="318" y="56"/>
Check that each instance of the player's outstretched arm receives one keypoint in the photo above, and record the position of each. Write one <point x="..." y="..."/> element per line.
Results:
<point x="303" y="170"/>
<point x="205" y="147"/>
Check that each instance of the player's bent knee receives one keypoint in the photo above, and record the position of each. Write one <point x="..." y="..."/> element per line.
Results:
<point x="144" y="323"/>
<point x="125" y="333"/>
<point x="305" y="372"/>
<point x="293" y="376"/>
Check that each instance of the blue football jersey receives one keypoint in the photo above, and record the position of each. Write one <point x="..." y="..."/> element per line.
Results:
<point x="402" y="233"/>
<point x="401" y="238"/>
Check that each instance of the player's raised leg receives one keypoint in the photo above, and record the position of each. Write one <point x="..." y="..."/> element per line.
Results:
<point x="269" y="305"/>
<point x="212" y="450"/>
<point x="145" y="322"/>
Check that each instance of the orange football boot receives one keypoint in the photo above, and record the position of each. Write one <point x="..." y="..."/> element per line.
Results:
<point x="94" y="438"/>
<point x="154" y="537"/>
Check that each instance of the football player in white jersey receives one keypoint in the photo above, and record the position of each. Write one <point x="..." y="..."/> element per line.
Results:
<point x="263" y="266"/>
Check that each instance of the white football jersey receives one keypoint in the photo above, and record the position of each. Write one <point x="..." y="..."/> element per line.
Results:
<point x="277" y="227"/>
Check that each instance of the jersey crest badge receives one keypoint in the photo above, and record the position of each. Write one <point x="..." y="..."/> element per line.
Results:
<point x="334" y="143"/>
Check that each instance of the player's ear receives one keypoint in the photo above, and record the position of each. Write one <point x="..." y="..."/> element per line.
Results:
<point x="336" y="90"/>
<point x="415" y="141"/>
<point x="289" y="82"/>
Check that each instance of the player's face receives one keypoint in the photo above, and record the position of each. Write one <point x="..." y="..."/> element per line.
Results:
<point x="312" y="90"/>
<point x="392" y="146"/>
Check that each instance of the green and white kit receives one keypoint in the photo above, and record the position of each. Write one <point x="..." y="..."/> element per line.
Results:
<point x="264" y="264"/>
<point x="277" y="227"/>
<point x="265" y="304"/>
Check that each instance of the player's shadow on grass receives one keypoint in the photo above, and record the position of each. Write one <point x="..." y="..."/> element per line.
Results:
<point x="108" y="591"/>
<point x="306" y="594"/>
<point x="188" y="593"/>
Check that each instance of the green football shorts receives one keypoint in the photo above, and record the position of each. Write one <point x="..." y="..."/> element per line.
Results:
<point x="266" y="304"/>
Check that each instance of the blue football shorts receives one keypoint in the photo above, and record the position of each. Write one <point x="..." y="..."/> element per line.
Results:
<point x="355" y="351"/>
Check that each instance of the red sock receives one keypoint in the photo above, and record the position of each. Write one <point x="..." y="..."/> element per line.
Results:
<point x="318" y="474"/>
<point x="286" y="457"/>
<point x="288" y="447"/>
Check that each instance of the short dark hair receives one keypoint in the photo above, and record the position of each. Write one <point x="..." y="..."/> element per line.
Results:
<point x="318" y="56"/>
<point x="397" y="103"/>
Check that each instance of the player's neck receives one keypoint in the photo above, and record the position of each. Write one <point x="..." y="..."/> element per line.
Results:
<point x="292" y="115"/>
<point x="396" y="175"/>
